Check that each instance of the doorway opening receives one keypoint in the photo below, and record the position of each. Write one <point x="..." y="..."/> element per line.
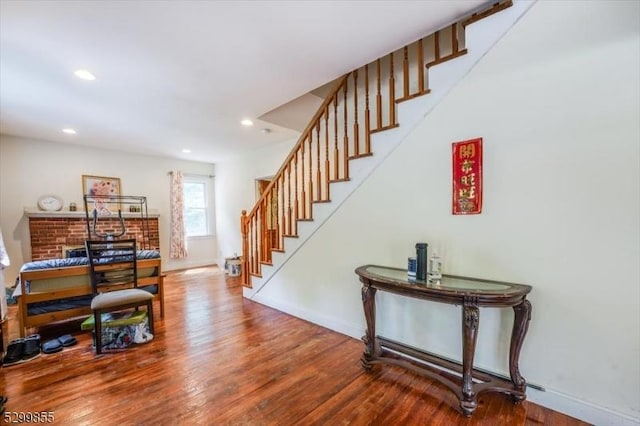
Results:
<point x="270" y="221"/>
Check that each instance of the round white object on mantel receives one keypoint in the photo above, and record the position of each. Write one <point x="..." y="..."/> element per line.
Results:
<point x="50" y="203"/>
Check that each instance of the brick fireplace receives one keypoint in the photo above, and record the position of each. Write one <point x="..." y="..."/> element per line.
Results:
<point x="54" y="232"/>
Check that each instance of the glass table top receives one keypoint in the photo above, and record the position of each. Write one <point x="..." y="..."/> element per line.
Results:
<point x="446" y="283"/>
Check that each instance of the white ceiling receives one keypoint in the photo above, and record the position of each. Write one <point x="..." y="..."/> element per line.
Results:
<point x="182" y="74"/>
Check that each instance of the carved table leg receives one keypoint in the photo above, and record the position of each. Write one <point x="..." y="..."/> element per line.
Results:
<point x="520" y="326"/>
<point x="470" y="320"/>
<point x="369" y="339"/>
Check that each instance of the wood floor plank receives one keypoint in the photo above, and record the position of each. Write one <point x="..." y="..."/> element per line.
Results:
<point x="218" y="358"/>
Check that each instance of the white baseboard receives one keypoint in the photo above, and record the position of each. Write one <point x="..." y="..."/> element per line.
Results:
<point x="554" y="400"/>
<point x="585" y="411"/>
<point x="188" y="265"/>
<point x="323" y="320"/>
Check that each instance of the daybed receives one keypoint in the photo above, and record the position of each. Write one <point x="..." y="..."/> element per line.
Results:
<point x="60" y="289"/>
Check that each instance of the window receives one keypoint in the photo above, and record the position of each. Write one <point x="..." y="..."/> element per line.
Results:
<point x="196" y="206"/>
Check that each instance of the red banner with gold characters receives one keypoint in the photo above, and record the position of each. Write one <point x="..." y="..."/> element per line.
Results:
<point x="467" y="177"/>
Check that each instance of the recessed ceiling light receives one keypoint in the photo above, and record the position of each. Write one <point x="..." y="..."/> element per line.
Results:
<point x="85" y="75"/>
<point x="69" y="131"/>
<point x="186" y="151"/>
<point x="246" y="122"/>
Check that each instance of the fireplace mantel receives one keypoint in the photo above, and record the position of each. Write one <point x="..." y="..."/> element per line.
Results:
<point x="36" y="212"/>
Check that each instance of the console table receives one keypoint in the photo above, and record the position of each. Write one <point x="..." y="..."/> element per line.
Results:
<point x="471" y="293"/>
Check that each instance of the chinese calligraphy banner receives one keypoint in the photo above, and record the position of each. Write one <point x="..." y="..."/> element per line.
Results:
<point x="467" y="176"/>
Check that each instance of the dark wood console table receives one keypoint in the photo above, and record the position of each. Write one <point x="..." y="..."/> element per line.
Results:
<point x="472" y="294"/>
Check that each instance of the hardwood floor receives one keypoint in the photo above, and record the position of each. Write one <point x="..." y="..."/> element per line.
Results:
<point x="220" y="359"/>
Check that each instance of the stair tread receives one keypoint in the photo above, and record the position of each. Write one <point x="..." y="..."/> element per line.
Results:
<point x="446" y="58"/>
<point x="383" y="128"/>
<point x="355" y="157"/>
<point x="413" y="96"/>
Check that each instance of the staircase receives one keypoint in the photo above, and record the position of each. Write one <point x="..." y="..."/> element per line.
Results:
<point x="360" y="117"/>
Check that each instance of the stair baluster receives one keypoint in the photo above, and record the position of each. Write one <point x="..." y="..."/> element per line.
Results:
<point x="318" y="174"/>
<point x="345" y="153"/>
<point x="336" y="154"/>
<point x="356" y="129"/>
<point x="367" y="113"/>
<point x="379" y="97"/>
<point x="326" y="154"/>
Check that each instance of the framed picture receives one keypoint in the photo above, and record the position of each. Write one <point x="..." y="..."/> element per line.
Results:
<point x="101" y="189"/>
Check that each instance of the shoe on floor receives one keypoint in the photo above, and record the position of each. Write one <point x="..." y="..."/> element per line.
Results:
<point x="31" y="347"/>
<point x="51" y="346"/>
<point x="67" y="340"/>
<point x="15" y="350"/>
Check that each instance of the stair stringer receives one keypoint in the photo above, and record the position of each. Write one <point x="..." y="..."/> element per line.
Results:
<point x="480" y="37"/>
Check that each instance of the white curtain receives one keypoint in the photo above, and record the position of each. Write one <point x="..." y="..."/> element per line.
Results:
<point x="178" y="241"/>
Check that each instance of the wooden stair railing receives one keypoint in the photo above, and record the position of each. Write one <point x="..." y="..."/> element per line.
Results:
<point x="340" y="131"/>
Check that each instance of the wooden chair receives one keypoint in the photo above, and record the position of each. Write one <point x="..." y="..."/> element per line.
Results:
<point x="114" y="280"/>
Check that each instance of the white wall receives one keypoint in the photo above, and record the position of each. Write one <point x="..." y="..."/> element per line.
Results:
<point x="557" y="103"/>
<point x="236" y="191"/>
<point x="31" y="168"/>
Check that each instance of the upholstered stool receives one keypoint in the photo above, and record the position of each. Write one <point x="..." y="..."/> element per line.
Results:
<point x="117" y="300"/>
